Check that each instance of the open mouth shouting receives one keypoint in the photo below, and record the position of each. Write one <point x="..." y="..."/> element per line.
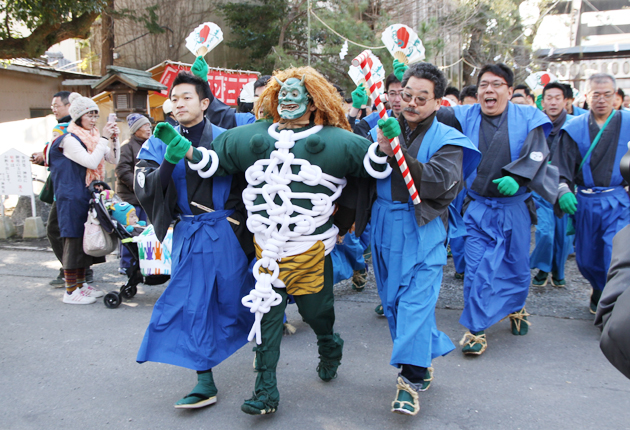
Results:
<point x="490" y="102"/>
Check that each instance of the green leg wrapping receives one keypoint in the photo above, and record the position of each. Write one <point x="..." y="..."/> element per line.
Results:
<point x="266" y="397"/>
<point x="318" y="311"/>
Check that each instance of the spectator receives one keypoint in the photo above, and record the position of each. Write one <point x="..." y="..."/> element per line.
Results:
<point x="468" y="96"/>
<point x="527" y="94"/>
<point x="452" y="94"/>
<point x="140" y="129"/>
<point x="626" y="101"/>
<point x="518" y="99"/>
<point x="167" y="107"/>
<point x="75" y="161"/>
<point x="618" y="99"/>
<point x="570" y="98"/>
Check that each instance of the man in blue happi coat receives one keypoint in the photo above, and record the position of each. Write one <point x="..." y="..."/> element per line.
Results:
<point x="553" y="246"/>
<point x="409" y="241"/>
<point x="199" y="320"/>
<point x="588" y="155"/>
<point x="512" y="139"/>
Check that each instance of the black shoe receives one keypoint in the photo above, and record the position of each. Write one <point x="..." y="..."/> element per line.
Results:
<point x="59" y="281"/>
<point x="89" y="276"/>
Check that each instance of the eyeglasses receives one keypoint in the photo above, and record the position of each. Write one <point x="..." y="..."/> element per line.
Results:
<point x="393" y="93"/>
<point x="92" y="116"/>
<point x="496" y="84"/>
<point x="606" y="96"/>
<point x="420" y="101"/>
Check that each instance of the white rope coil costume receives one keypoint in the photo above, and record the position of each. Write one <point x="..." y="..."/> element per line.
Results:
<point x="288" y="229"/>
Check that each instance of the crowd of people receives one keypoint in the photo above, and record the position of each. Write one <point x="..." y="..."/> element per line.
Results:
<point x="299" y="185"/>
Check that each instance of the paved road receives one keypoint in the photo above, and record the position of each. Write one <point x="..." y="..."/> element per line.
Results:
<point x="73" y="367"/>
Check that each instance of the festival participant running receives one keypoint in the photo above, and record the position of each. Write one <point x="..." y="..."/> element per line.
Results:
<point x="408" y="241"/>
<point x="199" y="320"/>
<point x="512" y="140"/>
<point x="553" y="246"/>
<point x="295" y="168"/>
<point x="588" y="155"/>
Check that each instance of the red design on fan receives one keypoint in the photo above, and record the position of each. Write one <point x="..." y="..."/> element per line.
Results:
<point x="203" y="34"/>
<point x="544" y="79"/>
<point x="403" y="37"/>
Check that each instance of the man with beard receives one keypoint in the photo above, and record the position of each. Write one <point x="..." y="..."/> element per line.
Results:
<point x="408" y="240"/>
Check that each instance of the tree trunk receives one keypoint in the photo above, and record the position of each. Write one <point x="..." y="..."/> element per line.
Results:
<point x="107" y="37"/>
<point x="472" y="56"/>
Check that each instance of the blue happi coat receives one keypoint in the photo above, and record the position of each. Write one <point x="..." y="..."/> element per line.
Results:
<point x="497" y="277"/>
<point x="199" y="320"/>
<point x="553" y="246"/>
<point x="408" y="260"/>
<point x="601" y="211"/>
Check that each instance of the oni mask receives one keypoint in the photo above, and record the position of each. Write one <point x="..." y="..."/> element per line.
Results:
<point x="292" y="99"/>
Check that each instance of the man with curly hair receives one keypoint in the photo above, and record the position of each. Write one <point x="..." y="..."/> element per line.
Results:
<point x="295" y="162"/>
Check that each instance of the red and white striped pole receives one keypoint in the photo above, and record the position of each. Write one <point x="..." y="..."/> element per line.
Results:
<point x="361" y="62"/>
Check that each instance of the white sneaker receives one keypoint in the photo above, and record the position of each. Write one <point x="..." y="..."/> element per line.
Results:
<point x="78" y="297"/>
<point x="90" y="291"/>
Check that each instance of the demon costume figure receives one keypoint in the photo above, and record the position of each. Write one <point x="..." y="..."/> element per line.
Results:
<point x="295" y="168"/>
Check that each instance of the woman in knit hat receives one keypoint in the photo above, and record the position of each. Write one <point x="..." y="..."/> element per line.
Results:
<point x="75" y="161"/>
<point x="140" y="129"/>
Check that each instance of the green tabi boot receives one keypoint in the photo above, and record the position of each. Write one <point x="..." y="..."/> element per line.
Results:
<point x="407" y="401"/>
<point x="330" y="351"/>
<point x="520" y="325"/>
<point x="595" y="296"/>
<point x="557" y="282"/>
<point x="359" y="279"/>
<point x="266" y="397"/>
<point x="204" y="393"/>
<point x="459" y="276"/>
<point x="540" y="280"/>
<point x="474" y="344"/>
<point x="379" y="310"/>
<point x="426" y="382"/>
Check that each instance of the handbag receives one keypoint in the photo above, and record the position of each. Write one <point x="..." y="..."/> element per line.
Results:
<point x="96" y="242"/>
<point x="47" y="194"/>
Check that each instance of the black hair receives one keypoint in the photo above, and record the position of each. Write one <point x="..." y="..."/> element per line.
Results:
<point x="391" y="79"/>
<point x="517" y="95"/>
<point x="469" y="91"/>
<point x="261" y="82"/>
<point x="556" y="85"/>
<point x="568" y="91"/>
<point x="63" y="96"/>
<point x="430" y="72"/>
<point x="339" y="90"/>
<point x="498" y="69"/>
<point x="523" y="87"/>
<point x="451" y="91"/>
<point x="348" y="100"/>
<point x="621" y="93"/>
<point x="201" y="87"/>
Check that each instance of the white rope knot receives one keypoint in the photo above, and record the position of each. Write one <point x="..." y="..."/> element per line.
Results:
<point x="205" y="157"/>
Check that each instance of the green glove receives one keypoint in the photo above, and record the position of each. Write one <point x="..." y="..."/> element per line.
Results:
<point x="568" y="203"/>
<point x="390" y="127"/>
<point x="507" y="185"/>
<point x="359" y="97"/>
<point x="165" y="132"/>
<point x="399" y="69"/>
<point x="200" y="68"/>
<point x="177" y="145"/>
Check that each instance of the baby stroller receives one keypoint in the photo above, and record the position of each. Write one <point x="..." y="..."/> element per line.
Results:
<point x="134" y="274"/>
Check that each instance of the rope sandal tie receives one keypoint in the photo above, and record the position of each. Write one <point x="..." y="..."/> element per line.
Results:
<point x="519" y="317"/>
<point x="471" y="340"/>
<point x="398" y="405"/>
